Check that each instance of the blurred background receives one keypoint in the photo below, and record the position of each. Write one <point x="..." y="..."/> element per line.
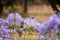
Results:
<point x="40" y="9"/>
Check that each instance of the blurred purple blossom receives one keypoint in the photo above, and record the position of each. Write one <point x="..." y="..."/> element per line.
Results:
<point x="18" y="17"/>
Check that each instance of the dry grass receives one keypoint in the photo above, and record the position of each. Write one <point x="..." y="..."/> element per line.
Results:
<point x="34" y="36"/>
<point x="26" y="36"/>
<point x="40" y="12"/>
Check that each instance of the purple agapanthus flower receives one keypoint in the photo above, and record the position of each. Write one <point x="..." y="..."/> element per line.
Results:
<point x="1" y="21"/>
<point x="11" y="18"/>
<point x="29" y="22"/>
<point x="43" y="28"/>
<point x="12" y="30"/>
<point x="4" y="30"/>
<point x="19" y="18"/>
<point x="5" y="22"/>
<point x="26" y="22"/>
<point x="42" y="38"/>
<point x="37" y="26"/>
<point x="1" y="38"/>
<point x="54" y="22"/>
<point x="48" y="38"/>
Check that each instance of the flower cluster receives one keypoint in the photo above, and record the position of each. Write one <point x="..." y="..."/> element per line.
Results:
<point x="16" y="23"/>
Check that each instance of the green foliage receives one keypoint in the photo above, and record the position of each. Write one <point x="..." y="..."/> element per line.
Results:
<point x="6" y="4"/>
<point x="24" y="15"/>
<point x="10" y="2"/>
<point x="33" y="1"/>
<point x="13" y="27"/>
<point x="28" y="29"/>
<point x="15" y="8"/>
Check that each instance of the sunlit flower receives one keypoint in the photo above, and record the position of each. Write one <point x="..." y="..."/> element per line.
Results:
<point x="15" y="19"/>
<point x="4" y="30"/>
<point x="1" y="38"/>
